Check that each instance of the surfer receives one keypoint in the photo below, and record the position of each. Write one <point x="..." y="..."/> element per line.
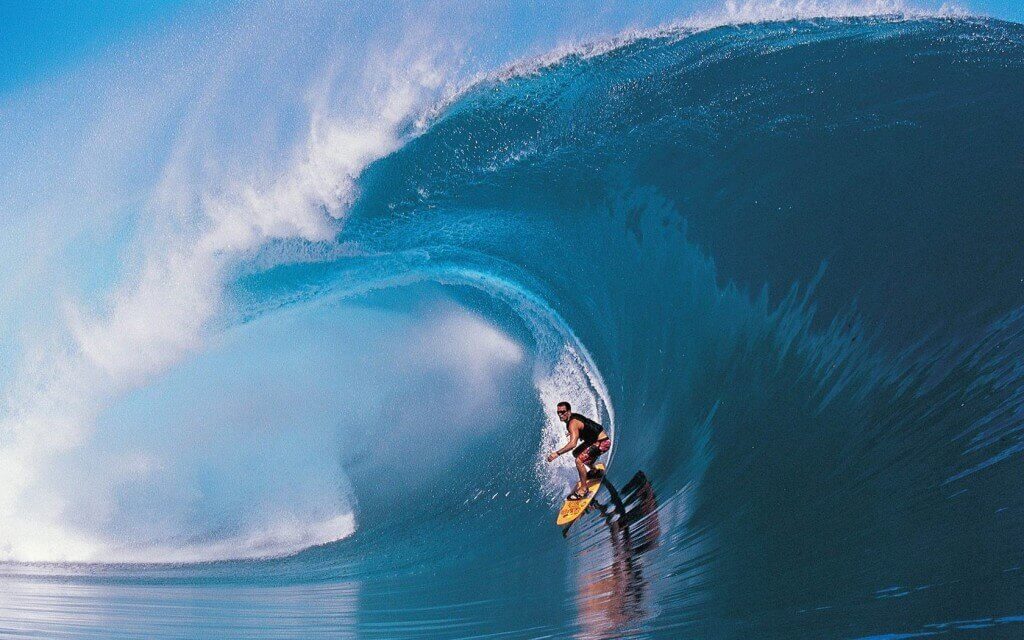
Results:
<point x="592" y="443"/>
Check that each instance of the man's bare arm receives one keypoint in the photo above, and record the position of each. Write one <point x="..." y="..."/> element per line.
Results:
<point x="574" y="436"/>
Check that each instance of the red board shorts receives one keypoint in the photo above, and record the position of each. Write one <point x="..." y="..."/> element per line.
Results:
<point x="589" y="454"/>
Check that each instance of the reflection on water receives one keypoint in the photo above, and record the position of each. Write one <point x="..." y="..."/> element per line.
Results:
<point x="59" y="609"/>
<point x="612" y="590"/>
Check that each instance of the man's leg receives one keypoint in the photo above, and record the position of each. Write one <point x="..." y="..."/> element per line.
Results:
<point x="595" y="452"/>
<point x="582" y="468"/>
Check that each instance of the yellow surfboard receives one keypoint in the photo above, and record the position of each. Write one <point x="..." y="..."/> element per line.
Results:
<point x="573" y="509"/>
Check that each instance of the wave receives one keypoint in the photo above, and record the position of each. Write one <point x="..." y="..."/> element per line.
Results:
<point x="776" y="258"/>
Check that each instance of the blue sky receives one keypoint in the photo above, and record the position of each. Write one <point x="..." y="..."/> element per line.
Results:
<point x="38" y="38"/>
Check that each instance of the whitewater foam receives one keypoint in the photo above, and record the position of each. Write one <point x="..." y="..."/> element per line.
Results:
<point x="276" y="539"/>
<point x="164" y="312"/>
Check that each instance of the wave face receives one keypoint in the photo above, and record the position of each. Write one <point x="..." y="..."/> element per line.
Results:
<point x="781" y="261"/>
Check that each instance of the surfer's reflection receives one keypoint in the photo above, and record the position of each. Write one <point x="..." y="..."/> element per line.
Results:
<point x="612" y="593"/>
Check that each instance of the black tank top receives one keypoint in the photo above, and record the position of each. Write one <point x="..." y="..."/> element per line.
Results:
<point x="590" y="430"/>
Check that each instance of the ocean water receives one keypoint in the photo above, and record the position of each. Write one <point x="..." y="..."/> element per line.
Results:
<point x="780" y="260"/>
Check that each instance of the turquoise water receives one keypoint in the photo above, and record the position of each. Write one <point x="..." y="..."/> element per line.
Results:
<point x="779" y="260"/>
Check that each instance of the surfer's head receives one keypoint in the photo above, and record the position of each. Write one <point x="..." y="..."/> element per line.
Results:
<point x="564" y="410"/>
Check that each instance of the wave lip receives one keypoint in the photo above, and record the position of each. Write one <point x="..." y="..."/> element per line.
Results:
<point x="734" y="13"/>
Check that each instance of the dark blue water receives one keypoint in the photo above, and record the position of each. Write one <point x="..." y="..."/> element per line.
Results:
<point x="781" y="261"/>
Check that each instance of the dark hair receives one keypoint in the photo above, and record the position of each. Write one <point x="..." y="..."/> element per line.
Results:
<point x="563" y="403"/>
